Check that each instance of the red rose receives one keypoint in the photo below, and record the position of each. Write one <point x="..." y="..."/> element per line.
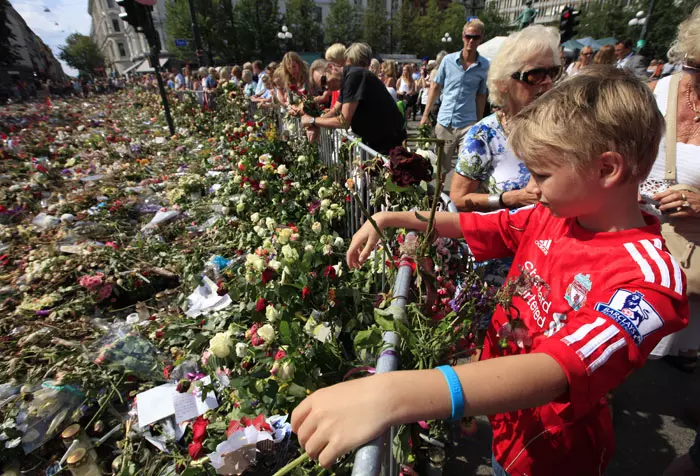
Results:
<point x="280" y="354"/>
<point x="260" y="305"/>
<point x="330" y="272"/>
<point x="196" y="450"/>
<point x="267" y="275"/>
<point x="199" y="429"/>
<point x="305" y="292"/>
<point x="259" y="423"/>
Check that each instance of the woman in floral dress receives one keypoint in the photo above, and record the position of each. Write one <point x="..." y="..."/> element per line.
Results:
<point x="489" y="175"/>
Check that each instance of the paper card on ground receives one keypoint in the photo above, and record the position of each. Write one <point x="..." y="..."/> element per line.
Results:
<point x="189" y="405"/>
<point x="155" y="404"/>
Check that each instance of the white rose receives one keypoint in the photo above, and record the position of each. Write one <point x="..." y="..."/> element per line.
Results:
<point x="309" y="249"/>
<point x="338" y="242"/>
<point x="294" y="237"/>
<point x="285" y="371"/>
<point x="270" y="224"/>
<point x="327" y="250"/>
<point x="255" y="217"/>
<point x="316" y="227"/>
<point x="249" y="129"/>
<point x="220" y="344"/>
<point x="271" y="313"/>
<point x="250" y="278"/>
<point x="274" y="264"/>
<point x="301" y="159"/>
<point x="267" y="333"/>
<point x="329" y="215"/>
<point x="241" y="350"/>
<point x="240" y="207"/>
<point x="282" y="170"/>
<point x="256" y="262"/>
<point x="323" y="192"/>
<point x="325" y="203"/>
<point x="263" y="184"/>
<point x="289" y="253"/>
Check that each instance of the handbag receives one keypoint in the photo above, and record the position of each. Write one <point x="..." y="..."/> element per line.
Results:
<point x="682" y="236"/>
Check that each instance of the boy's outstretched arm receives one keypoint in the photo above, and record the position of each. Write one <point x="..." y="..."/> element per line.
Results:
<point x="337" y="419"/>
<point x="366" y="238"/>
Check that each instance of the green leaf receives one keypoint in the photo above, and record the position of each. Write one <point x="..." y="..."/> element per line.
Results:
<point x="368" y="338"/>
<point x="285" y="333"/>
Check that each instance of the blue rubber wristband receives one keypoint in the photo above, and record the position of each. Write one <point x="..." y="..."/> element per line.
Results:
<point x="456" y="394"/>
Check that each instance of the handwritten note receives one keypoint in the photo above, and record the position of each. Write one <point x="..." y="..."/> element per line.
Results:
<point x="189" y="405"/>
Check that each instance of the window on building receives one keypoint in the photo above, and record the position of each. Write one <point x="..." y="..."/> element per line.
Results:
<point x="318" y="14"/>
<point x="115" y="25"/>
<point x="111" y="4"/>
<point x="122" y="50"/>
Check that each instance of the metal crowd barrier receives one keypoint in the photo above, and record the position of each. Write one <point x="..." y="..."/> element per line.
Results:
<point x="376" y="457"/>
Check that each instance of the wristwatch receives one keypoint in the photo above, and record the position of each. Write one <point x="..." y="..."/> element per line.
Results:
<point x="313" y="121"/>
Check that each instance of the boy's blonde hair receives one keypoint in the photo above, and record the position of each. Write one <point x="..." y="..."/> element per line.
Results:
<point x="359" y="54"/>
<point x="599" y="110"/>
<point x="336" y="53"/>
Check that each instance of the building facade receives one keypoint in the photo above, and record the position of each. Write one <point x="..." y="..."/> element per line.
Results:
<point x="323" y="7"/>
<point x="121" y="45"/>
<point x="35" y="60"/>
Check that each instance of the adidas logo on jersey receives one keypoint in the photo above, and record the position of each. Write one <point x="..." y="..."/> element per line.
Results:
<point x="544" y="245"/>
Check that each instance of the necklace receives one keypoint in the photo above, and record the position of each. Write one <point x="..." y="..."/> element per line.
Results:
<point x="504" y="122"/>
<point x="691" y="104"/>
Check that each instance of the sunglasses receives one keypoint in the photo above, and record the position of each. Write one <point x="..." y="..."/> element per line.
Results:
<point x="471" y="37"/>
<point x="586" y="54"/>
<point x="537" y="75"/>
<point x="690" y="68"/>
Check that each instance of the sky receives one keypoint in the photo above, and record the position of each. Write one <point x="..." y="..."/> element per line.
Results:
<point x="63" y="18"/>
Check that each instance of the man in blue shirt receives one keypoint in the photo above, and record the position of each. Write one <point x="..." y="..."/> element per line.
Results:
<point x="461" y="79"/>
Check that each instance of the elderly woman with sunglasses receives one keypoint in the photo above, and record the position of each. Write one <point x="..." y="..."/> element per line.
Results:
<point x="489" y="175"/>
<point x="672" y="190"/>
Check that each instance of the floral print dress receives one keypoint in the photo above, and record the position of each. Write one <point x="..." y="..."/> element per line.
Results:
<point x="485" y="156"/>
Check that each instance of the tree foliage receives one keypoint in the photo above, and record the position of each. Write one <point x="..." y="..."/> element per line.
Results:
<point x="343" y="23"/>
<point x="607" y="19"/>
<point x="376" y="26"/>
<point x="215" y="28"/>
<point x="302" y="22"/>
<point x="257" y="25"/>
<point x="663" y="26"/>
<point x="7" y="46"/>
<point x="496" y="24"/>
<point x="81" y="53"/>
<point x="402" y="37"/>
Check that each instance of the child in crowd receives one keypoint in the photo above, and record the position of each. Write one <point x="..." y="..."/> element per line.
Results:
<point x="597" y="291"/>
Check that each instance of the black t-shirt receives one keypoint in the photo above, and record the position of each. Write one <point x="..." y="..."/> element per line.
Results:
<point x="377" y="119"/>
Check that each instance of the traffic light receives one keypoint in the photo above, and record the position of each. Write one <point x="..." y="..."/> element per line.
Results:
<point x="135" y="14"/>
<point x="567" y="23"/>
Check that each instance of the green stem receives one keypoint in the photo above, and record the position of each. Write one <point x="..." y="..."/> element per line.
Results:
<point x="289" y="467"/>
<point x="436" y="197"/>
<point x="104" y="404"/>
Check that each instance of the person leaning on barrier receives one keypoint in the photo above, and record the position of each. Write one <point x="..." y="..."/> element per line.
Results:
<point x="366" y="106"/>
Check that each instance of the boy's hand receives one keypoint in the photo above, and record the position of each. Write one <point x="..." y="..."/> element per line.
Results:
<point x="335" y="420"/>
<point x="363" y="243"/>
<point x="679" y="203"/>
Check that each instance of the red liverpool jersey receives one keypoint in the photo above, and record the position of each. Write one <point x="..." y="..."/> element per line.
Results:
<point x="598" y="303"/>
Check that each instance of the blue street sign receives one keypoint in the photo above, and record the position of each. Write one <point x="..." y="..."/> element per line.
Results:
<point x="180" y="42"/>
<point x="471" y="18"/>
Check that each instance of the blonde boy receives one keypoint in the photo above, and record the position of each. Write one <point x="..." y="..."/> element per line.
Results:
<point x="606" y="292"/>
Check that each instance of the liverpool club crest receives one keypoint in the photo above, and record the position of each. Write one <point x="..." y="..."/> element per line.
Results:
<point x="577" y="291"/>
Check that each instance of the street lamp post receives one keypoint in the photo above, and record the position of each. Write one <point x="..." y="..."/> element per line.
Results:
<point x="641" y="20"/>
<point x="446" y="39"/>
<point x="285" y="34"/>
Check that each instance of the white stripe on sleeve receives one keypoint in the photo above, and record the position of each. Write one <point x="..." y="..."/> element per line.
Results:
<point x="641" y="262"/>
<point x="602" y="358"/>
<point x="583" y="331"/>
<point x="660" y="263"/>
<point x="599" y="340"/>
